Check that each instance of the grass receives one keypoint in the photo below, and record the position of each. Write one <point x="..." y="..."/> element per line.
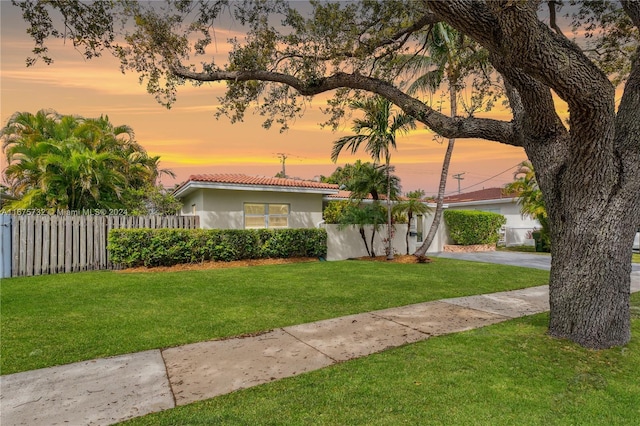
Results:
<point x="504" y="374"/>
<point x="635" y="258"/>
<point x="526" y="249"/>
<point x="58" y="319"/>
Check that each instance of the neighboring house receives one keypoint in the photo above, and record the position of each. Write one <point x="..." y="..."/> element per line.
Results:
<point x="238" y="201"/>
<point x="516" y="231"/>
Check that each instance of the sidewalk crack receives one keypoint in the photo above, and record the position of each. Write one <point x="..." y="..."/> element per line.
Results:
<point x="311" y="346"/>
<point x="166" y="371"/>
<point x="401" y="324"/>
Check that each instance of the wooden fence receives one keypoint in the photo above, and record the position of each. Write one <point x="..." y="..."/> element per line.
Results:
<point x="43" y="244"/>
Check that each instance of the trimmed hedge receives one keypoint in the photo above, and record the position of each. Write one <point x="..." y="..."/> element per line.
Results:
<point x="467" y="227"/>
<point x="166" y="247"/>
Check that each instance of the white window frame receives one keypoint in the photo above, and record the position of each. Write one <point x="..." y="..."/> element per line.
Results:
<point x="265" y="215"/>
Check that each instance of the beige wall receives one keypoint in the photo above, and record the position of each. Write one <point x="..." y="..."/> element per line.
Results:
<point x="187" y="204"/>
<point x="441" y="237"/>
<point x="224" y="209"/>
<point x="347" y="243"/>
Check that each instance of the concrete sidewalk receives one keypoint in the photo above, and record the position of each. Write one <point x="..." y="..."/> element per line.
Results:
<point x="106" y="391"/>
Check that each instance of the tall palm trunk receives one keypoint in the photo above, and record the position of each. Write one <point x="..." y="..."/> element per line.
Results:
<point x="406" y="236"/>
<point x="437" y="216"/>
<point x="389" y="233"/>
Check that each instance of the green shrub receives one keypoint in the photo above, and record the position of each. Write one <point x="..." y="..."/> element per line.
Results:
<point x="166" y="247"/>
<point x="335" y="210"/>
<point x="467" y="227"/>
<point x="543" y="241"/>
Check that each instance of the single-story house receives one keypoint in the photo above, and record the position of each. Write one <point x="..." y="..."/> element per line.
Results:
<point x="238" y="201"/>
<point x="517" y="229"/>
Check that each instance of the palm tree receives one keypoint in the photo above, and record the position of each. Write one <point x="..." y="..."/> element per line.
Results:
<point x="414" y="204"/>
<point x="24" y="128"/>
<point x="76" y="177"/>
<point x="58" y="161"/>
<point x="369" y="179"/>
<point x="25" y="141"/>
<point x="525" y="186"/>
<point x="25" y="166"/>
<point x="450" y="57"/>
<point x="377" y="129"/>
<point x="358" y="215"/>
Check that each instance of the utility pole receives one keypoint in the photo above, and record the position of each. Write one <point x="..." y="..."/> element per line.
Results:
<point x="458" y="177"/>
<point x="283" y="157"/>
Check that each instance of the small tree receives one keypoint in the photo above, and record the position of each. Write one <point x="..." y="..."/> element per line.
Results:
<point x="70" y="162"/>
<point x="361" y="215"/>
<point x="414" y="204"/>
<point x="153" y="200"/>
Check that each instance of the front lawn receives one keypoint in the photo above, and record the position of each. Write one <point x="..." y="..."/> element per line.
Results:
<point x="58" y="319"/>
<point x="510" y="373"/>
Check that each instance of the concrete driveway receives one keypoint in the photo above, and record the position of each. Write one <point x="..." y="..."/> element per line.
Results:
<point x="527" y="260"/>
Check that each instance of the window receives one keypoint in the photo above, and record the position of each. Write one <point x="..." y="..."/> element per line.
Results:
<point x="260" y="215"/>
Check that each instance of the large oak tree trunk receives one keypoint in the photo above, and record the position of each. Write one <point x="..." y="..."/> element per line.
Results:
<point x="593" y="205"/>
<point x="590" y="178"/>
<point x="591" y="237"/>
<point x="590" y="279"/>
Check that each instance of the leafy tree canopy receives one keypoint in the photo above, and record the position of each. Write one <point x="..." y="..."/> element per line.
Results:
<point x="70" y="162"/>
<point x="364" y="180"/>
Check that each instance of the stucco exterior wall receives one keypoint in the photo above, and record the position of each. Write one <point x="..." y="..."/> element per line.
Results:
<point x="441" y="237"/>
<point x="224" y="209"/>
<point x="192" y="204"/>
<point x="347" y="243"/>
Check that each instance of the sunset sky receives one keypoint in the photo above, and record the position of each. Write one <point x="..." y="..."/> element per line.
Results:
<point x="190" y="140"/>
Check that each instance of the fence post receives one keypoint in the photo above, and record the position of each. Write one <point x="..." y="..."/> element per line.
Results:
<point x="5" y="246"/>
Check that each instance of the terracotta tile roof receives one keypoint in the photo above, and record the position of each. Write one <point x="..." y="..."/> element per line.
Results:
<point x="341" y="195"/>
<point x="344" y="195"/>
<point x="481" y="195"/>
<point x="241" y="179"/>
